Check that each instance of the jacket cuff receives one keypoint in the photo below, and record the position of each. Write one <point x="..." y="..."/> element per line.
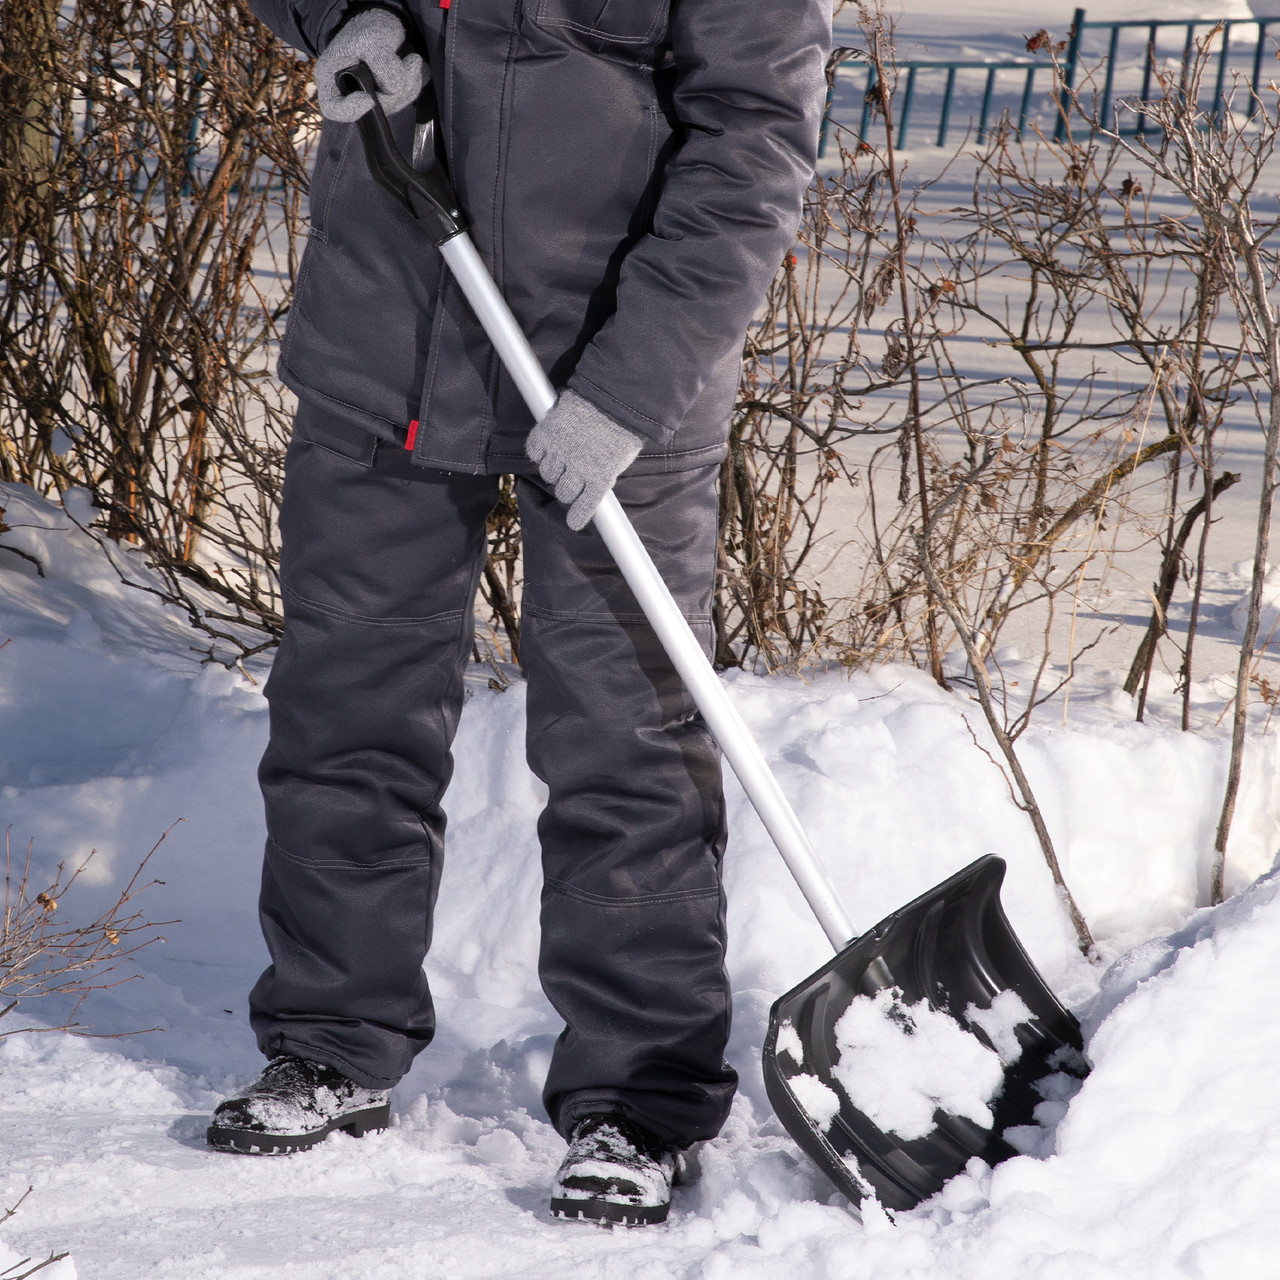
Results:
<point x="623" y="415"/>
<point x="309" y="25"/>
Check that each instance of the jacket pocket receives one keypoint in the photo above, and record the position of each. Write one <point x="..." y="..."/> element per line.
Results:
<point x="622" y="21"/>
<point x="334" y="434"/>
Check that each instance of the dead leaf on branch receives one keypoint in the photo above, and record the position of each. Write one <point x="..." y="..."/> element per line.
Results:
<point x="1042" y="42"/>
<point x="880" y="289"/>
<point x="876" y="98"/>
<point x="895" y="358"/>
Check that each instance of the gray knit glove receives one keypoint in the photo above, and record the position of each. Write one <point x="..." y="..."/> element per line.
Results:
<point x="375" y="37"/>
<point x="580" y="452"/>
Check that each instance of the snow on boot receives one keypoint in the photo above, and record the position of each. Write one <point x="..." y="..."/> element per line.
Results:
<point x="293" y="1105"/>
<point x="615" y="1172"/>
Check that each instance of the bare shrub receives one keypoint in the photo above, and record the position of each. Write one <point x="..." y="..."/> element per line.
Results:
<point x="498" y="627"/>
<point x="804" y="377"/>
<point x="12" y="1272"/>
<point x="43" y="952"/>
<point x="152" y="180"/>
<point x="1216" y="157"/>
<point x="152" y="168"/>
<point x="1016" y="268"/>
<point x="1004" y="733"/>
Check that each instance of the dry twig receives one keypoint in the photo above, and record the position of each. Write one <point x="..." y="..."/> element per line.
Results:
<point x="43" y="953"/>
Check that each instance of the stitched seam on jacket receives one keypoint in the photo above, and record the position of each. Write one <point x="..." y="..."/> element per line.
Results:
<point x="497" y="206"/>
<point x="338" y="167"/>
<point x="582" y="377"/>
<point x="429" y="461"/>
<point x="599" y="32"/>
<point x="451" y="615"/>
<point x="286" y="344"/>
<point x="433" y="356"/>
<point x="639" y="900"/>
<point x="596" y="32"/>
<point x="336" y="864"/>
<point x="286" y="367"/>
<point x="427" y="392"/>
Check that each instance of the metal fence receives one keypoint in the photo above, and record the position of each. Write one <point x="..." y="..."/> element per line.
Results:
<point x="1106" y="62"/>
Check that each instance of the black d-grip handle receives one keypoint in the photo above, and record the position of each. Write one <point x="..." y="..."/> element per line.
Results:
<point x="428" y="196"/>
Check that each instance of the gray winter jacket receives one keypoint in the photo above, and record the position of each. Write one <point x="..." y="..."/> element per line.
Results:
<point x="632" y="171"/>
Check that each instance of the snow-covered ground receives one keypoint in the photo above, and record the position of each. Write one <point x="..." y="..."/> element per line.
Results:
<point x="1165" y="1163"/>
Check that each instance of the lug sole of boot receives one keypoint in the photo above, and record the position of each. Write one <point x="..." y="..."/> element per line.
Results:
<point x="247" y="1142"/>
<point x="607" y="1214"/>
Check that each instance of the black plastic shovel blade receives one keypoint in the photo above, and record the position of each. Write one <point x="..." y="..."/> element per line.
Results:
<point x="951" y="948"/>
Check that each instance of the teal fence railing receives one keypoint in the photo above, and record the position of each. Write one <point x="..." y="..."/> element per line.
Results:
<point x="1109" y="61"/>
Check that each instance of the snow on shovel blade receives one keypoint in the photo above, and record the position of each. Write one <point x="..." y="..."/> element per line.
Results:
<point x="951" y="950"/>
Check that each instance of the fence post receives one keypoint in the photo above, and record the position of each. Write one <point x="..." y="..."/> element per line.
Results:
<point x="907" y="97"/>
<point x="1025" y="108"/>
<point x="1112" y="50"/>
<point x="1152" y="35"/>
<point x="865" y="123"/>
<point x="1219" y="89"/>
<point x="986" y="104"/>
<point x="826" y="113"/>
<point x="1069" y="75"/>
<point x="946" y="106"/>
<point x="1257" y="68"/>
<point x="1187" y="47"/>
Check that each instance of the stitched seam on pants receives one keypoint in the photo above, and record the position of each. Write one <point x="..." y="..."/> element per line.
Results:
<point x="705" y="452"/>
<point x="334" y="864"/>
<point x="337" y="453"/>
<point x="451" y="615"/>
<point x="640" y="900"/>
<point x="286" y="367"/>
<point x="605" y="616"/>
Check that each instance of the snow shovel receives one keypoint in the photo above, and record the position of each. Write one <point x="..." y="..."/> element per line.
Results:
<point x="952" y="949"/>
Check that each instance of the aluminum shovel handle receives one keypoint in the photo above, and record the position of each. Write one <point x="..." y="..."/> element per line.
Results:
<point x="642" y="576"/>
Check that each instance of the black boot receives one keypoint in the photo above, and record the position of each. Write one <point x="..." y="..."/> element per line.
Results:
<point x="293" y="1105"/>
<point x="615" y="1172"/>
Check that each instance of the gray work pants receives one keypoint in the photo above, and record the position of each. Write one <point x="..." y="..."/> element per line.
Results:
<point x="379" y="570"/>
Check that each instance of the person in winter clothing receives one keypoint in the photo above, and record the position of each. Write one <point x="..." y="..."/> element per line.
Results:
<point x="632" y="172"/>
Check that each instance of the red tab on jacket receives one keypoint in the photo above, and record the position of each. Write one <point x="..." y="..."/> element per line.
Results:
<point x="444" y="4"/>
<point x="413" y="427"/>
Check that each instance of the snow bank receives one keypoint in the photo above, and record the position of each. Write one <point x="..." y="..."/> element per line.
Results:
<point x="1165" y="1164"/>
